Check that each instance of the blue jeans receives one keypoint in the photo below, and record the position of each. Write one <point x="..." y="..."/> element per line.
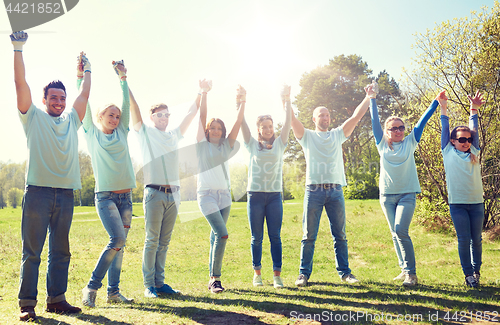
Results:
<point x="398" y="209"/>
<point x="115" y="212"/>
<point x="160" y="213"/>
<point x="468" y="221"/>
<point x="266" y="205"/>
<point x="215" y="206"/>
<point x="333" y="200"/>
<point x="45" y="208"/>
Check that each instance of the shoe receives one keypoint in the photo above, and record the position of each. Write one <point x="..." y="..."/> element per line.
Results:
<point x="119" y="298"/>
<point x="89" y="296"/>
<point x="410" y="280"/>
<point x="301" y="280"/>
<point x="165" y="289"/>
<point x="150" y="292"/>
<point x="62" y="307"/>
<point x="27" y="313"/>
<point x="215" y="287"/>
<point x="278" y="283"/>
<point x="257" y="280"/>
<point x="400" y="277"/>
<point x="350" y="278"/>
<point x="477" y="275"/>
<point x="471" y="281"/>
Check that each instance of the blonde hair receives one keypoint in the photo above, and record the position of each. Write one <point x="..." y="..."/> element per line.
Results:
<point x="104" y="109"/>
<point x="390" y="119"/>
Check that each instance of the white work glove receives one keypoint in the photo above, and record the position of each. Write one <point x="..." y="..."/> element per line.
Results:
<point x="241" y="95"/>
<point x="121" y="72"/>
<point x="18" y="39"/>
<point x="285" y="93"/>
<point x="85" y="63"/>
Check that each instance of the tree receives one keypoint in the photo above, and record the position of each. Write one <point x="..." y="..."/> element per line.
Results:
<point x="3" y="203"/>
<point x="339" y="86"/>
<point x="460" y="57"/>
<point x="15" y="196"/>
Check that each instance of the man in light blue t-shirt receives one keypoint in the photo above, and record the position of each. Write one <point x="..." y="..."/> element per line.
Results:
<point x="324" y="180"/>
<point x="52" y="173"/>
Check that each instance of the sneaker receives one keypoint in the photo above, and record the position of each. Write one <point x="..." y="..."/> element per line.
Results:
<point x="477" y="275"/>
<point x="27" y="313"/>
<point x="119" y="298"/>
<point x="278" y="283"/>
<point x="400" y="277"/>
<point x="89" y="296"/>
<point x="215" y="287"/>
<point x="410" y="280"/>
<point x="165" y="289"/>
<point x="350" y="278"/>
<point x="471" y="281"/>
<point x="257" y="280"/>
<point x="301" y="280"/>
<point x="150" y="292"/>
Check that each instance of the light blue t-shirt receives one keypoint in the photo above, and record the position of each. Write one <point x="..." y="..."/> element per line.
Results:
<point x="213" y="165"/>
<point x="323" y="152"/>
<point x="398" y="172"/>
<point x="52" y="148"/>
<point x="463" y="178"/>
<point x="113" y="170"/>
<point x="265" y="169"/>
<point x="163" y="167"/>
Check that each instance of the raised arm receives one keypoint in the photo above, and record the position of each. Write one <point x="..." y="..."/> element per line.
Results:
<point x="205" y="87"/>
<point x="419" y="128"/>
<point x="81" y="102"/>
<point x="297" y="127"/>
<point x="121" y="71"/>
<point x="87" y="119"/>
<point x="191" y="114"/>
<point x="352" y="121"/>
<point x="475" y="102"/>
<point x="22" y="89"/>
<point x="241" y="102"/>
<point x="245" y="130"/>
<point x="135" y="112"/>
<point x="445" y="121"/>
<point x="378" y="132"/>
<point x="287" y="106"/>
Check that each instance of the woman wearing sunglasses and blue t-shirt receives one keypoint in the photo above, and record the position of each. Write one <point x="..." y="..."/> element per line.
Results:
<point x="399" y="183"/>
<point x="460" y="151"/>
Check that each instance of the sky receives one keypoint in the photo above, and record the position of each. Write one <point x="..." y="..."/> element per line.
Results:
<point x="168" y="46"/>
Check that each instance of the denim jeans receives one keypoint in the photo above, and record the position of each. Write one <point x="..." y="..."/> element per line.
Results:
<point x="398" y="209"/>
<point x="332" y="199"/>
<point x="260" y="206"/>
<point x="45" y="208"/>
<point x="115" y="212"/>
<point x="468" y="221"/>
<point x="215" y="206"/>
<point x="160" y="213"/>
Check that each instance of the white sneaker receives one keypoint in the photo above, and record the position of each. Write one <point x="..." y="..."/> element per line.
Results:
<point x="119" y="298"/>
<point x="257" y="280"/>
<point x="400" y="277"/>
<point x="410" y="280"/>
<point x="350" y="278"/>
<point x="301" y="281"/>
<point x="89" y="296"/>
<point x="278" y="283"/>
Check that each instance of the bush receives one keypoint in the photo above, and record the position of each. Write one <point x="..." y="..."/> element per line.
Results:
<point x="434" y="216"/>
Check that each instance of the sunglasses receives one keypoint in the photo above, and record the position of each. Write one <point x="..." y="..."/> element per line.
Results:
<point x="397" y="128"/>
<point x="160" y="115"/>
<point x="464" y="139"/>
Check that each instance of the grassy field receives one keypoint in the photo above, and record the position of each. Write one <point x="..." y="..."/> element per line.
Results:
<point x="440" y="297"/>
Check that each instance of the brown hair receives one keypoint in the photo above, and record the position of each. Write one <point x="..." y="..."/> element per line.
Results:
<point x="209" y="124"/>
<point x="157" y="107"/>
<point x="390" y="119"/>
<point x="261" y="119"/>
<point x="453" y="135"/>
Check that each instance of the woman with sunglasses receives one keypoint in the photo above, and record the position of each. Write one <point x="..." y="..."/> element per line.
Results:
<point x="399" y="183"/>
<point x="114" y="180"/>
<point x="214" y="192"/>
<point x="465" y="188"/>
<point x="265" y="184"/>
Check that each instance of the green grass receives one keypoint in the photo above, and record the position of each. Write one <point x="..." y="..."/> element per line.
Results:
<point x="371" y="257"/>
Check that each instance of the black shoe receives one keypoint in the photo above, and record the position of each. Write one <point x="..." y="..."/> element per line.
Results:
<point x="62" y="307"/>
<point x="215" y="287"/>
<point x="27" y="313"/>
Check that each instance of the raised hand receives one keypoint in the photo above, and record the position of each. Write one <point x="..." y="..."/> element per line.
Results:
<point x="205" y="85"/>
<point x="241" y="95"/>
<point x="285" y="93"/>
<point x="85" y="62"/>
<point x="372" y="89"/>
<point x="18" y="40"/>
<point x="442" y="99"/>
<point x="119" y="67"/>
<point x="476" y="101"/>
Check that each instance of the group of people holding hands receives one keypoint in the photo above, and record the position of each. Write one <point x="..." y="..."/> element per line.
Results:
<point x="53" y="173"/>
